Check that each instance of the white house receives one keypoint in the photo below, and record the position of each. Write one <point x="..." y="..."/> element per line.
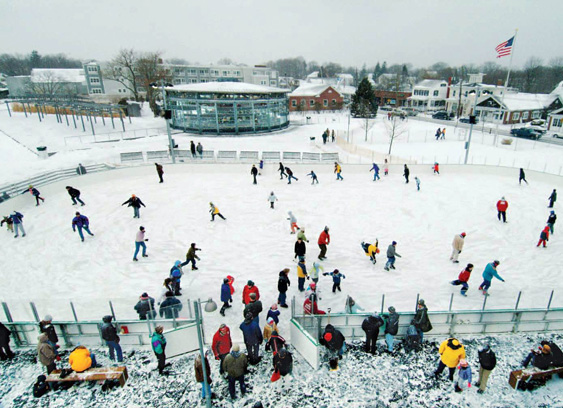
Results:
<point x="555" y="122"/>
<point x="429" y="95"/>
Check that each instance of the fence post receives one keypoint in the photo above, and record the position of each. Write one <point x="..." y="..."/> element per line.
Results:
<point x="7" y="312"/>
<point x="382" y="302"/>
<point x="34" y="311"/>
<point x="190" y="309"/>
<point x="112" y="311"/>
<point x="75" y="318"/>
<point x="550" y="298"/>
<point x="518" y="300"/>
<point x="416" y="304"/>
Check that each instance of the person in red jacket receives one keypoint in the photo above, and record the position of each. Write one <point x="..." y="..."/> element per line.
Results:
<point x="324" y="240"/>
<point x="248" y="289"/>
<point x="222" y="344"/>
<point x="463" y="278"/>
<point x="502" y="205"/>
<point x="544" y="236"/>
<point x="310" y="306"/>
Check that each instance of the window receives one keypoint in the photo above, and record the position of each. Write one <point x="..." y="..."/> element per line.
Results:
<point x="177" y="82"/>
<point x="263" y="82"/>
<point x="312" y="102"/>
<point x="536" y="114"/>
<point x="179" y="72"/>
<point x="94" y="80"/>
<point x="333" y="102"/>
<point x="92" y="69"/>
<point x="442" y="85"/>
<point x="237" y="73"/>
<point x="273" y="83"/>
<point x="325" y="103"/>
<point x="454" y="93"/>
<point x="96" y="91"/>
<point x="525" y="115"/>
<point x="202" y="71"/>
<point x="214" y="72"/>
<point x="294" y="103"/>
<point x="193" y="72"/>
<point x="204" y="80"/>
<point x="557" y="122"/>
<point x="436" y="93"/>
<point x="226" y="73"/>
<point x="515" y="115"/>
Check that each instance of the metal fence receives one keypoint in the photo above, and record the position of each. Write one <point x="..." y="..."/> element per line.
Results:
<point x="115" y="136"/>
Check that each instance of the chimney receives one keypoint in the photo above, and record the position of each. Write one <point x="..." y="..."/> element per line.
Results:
<point x="449" y="85"/>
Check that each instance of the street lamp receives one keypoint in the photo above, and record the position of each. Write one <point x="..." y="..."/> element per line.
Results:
<point x="210" y="306"/>
<point x="472" y="122"/>
<point x="166" y="117"/>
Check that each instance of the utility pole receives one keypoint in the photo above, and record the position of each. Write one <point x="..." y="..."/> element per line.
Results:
<point x="167" y="122"/>
<point x="468" y="143"/>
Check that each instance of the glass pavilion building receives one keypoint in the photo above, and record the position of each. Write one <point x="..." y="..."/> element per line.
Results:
<point x="227" y="108"/>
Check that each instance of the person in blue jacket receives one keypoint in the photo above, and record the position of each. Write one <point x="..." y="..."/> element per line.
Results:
<point x="35" y="193"/>
<point x="336" y="279"/>
<point x="226" y="297"/>
<point x="375" y="169"/>
<point x="252" y="337"/>
<point x="81" y="222"/>
<point x="176" y="275"/>
<point x="17" y="219"/>
<point x="274" y="313"/>
<point x="314" y="177"/>
<point x="489" y="273"/>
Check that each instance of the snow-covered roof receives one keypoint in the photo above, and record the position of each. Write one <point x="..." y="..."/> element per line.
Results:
<point x="346" y="89"/>
<point x="226" y="87"/>
<point x="523" y="101"/>
<point x="57" y="75"/>
<point x="311" y="90"/>
<point x="430" y="83"/>
<point x="558" y="90"/>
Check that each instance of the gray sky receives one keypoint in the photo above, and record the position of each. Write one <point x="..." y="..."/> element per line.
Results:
<point x="349" y="32"/>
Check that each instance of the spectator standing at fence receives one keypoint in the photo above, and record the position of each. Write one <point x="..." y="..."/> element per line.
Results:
<point x="140" y="243"/>
<point x="81" y="222"/>
<point x="333" y="340"/>
<point x="46" y="326"/>
<point x="457" y="246"/>
<point x="313" y="177"/>
<point x="370" y="326"/>
<point x="502" y="206"/>
<point x="171" y="307"/>
<point x="375" y="169"/>
<point x="145" y="307"/>
<point x="45" y="353"/>
<point x="451" y="352"/>
<point x="544" y="236"/>
<point x="222" y="344"/>
<point x="283" y="285"/>
<point x="489" y="273"/>
<point x="9" y="223"/>
<point x="281" y="169"/>
<point x="74" y="195"/>
<point x="324" y="240"/>
<point x="551" y="221"/>
<point x="487" y="363"/>
<point x="552" y="198"/>
<point x="463" y="278"/>
<point x="136" y="203"/>
<point x="406" y="174"/>
<point x="292" y="222"/>
<point x="226" y="296"/>
<point x="386" y="168"/>
<point x="248" y="289"/>
<point x="338" y="171"/>
<point x="252" y="338"/>
<point x="522" y="176"/>
<point x="421" y="321"/>
<point x="235" y="365"/>
<point x="391" y="328"/>
<point x="109" y="334"/>
<point x="159" y="171"/>
<point x="391" y="256"/>
<point x="80" y="170"/>
<point x="176" y="274"/>
<point x="199" y="149"/>
<point x="254" y="172"/>
<point x="199" y="377"/>
<point x="192" y="148"/>
<point x="215" y="211"/>
<point x="351" y="307"/>
<point x="336" y="279"/>
<point x="290" y="175"/>
<point x="5" y="352"/>
<point x="311" y="307"/>
<point x="35" y="193"/>
<point x="272" y="199"/>
<point x="158" y="343"/>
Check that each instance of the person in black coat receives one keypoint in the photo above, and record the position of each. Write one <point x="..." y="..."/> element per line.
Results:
<point x="283" y="362"/>
<point x="109" y="334"/>
<point x="282" y="171"/>
<point x="136" y="203"/>
<point x="391" y="328"/>
<point x="254" y="172"/>
<point x="406" y="174"/>
<point x="46" y="327"/>
<point x="522" y="176"/>
<point x="300" y="248"/>
<point x="171" y="307"/>
<point x="192" y="148"/>
<point x="556" y="352"/>
<point x="5" y="352"/>
<point x="74" y="195"/>
<point x="283" y="285"/>
<point x="371" y="326"/>
<point x="145" y="307"/>
<point x="540" y="359"/>
<point x="254" y="307"/>
<point x="333" y="340"/>
<point x="487" y="362"/>
<point x="421" y="320"/>
<point x="276" y="343"/>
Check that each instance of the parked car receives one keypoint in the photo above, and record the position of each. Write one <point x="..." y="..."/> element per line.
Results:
<point x="527" y="133"/>
<point x="385" y="108"/>
<point x="442" y="115"/>
<point x="411" y="111"/>
<point x="398" y="112"/>
<point x="557" y="135"/>
<point x="466" y="120"/>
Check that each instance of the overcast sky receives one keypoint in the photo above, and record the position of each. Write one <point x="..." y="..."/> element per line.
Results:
<point x="349" y="32"/>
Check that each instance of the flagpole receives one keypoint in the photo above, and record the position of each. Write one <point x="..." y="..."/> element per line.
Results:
<point x="506" y="82"/>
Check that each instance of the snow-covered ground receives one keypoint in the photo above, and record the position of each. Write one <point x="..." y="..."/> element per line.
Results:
<point x="362" y="381"/>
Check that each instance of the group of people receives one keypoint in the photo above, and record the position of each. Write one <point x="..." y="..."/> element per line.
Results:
<point x="329" y="136"/>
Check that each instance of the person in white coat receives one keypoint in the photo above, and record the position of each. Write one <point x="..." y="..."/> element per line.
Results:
<point x="457" y="246"/>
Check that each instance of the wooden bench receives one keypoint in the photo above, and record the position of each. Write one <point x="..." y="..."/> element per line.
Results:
<point x="93" y="374"/>
<point x="533" y="373"/>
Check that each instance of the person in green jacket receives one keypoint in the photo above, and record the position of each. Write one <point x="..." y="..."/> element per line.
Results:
<point x="158" y="342"/>
<point x="301" y="234"/>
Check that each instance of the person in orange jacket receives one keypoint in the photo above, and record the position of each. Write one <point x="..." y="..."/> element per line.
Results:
<point x="502" y="206"/>
<point x="81" y="359"/>
<point x="324" y="240"/>
<point x="248" y="289"/>
<point x="544" y="236"/>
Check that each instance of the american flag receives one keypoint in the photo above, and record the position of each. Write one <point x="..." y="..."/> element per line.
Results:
<point x="504" y="48"/>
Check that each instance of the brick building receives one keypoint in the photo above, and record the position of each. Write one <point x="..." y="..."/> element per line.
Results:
<point x="315" y="97"/>
<point x="392" y="98"/>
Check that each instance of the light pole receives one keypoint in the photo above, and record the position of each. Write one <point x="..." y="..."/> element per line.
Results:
<point x="209" y="307"/>
<point x="468" y="143"/>
<point x="167" y="121"/>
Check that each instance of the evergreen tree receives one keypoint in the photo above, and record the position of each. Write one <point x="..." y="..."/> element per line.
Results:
<point x="364" y="104"/>
<point x="376" y="71"/>
<point x="34" y="60"/>
<point x="384" y="68"/>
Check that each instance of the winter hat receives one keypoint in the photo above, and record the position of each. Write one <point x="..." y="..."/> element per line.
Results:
<point x="421" y="302"/>
<point x="546" y="349"/>
<point x="226" y="280"/>
<point x="315" y="264"/>
<point x="107" y="319"/>
<point x="145" y="295"/>
<point x="313" y="285"/>
<point x="552" y="212"/>
<point x="289" y="212"/>
<point x="335" y="271"/>
<point x="463" y="234"/>
<point x="274" y="307"/>
<point x="210" y="203"/>
<point x="235" y="347"/>
<point x="463" y="362"/>
<point x="141" y="228"/>
<point x="250" y="283"/>
<point x="391" y="309"/>
<point x="223" y="328"/>
<point x="169" y="294"/>
<point x="455" y="342"/>
<point x="48" y="318"/>
<point x="496" y="262"/>
<point x="270" y="321"/>
<point x="469" y="265"/>
<point x="177" y="263"/>
<point x="77" y="213"/>
<point x="502" y="197"/>
<point x="193" y="245"/>
<point x="394" y="243"/>
<point x="252" y="296"/>
<point x="326" y="228"/>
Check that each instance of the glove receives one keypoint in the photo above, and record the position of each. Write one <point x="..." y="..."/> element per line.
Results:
<point x="459" y="252"/>
<point x="146" y="240"/>
<point x="307" y="277"/>
<point x="217" y="358"/>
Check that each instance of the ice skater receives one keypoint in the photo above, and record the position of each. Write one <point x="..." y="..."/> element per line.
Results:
<point x="140" y="243"/>
<point x="489" y="273"/>
<point x="336" y="279"/>
<point x="391" y="254"/>
<point x="313" y="177"/>
<point x="81" y="222"/>
<point x="281" y="169"/>
<point x="292" y="222"/>
<point x="417" y="181"/>
<point x="136" y="203"/>
<point x="254" y="172"/>
<point x="375" y="169"/>
<point x="160" y="172"/>
<point x="551" y="221"/>
<point x="386" y="168"/>
<point x="457" y="246"/>
<point x="272" y="199"/>
<point x="17" y="219"/>
<point x="35" y="193"/>
<point x="338" y="171"/>
<point x="324" y="240"/>
<point x="463" y="278"/>
<point x="215" y="211"/>
<point x="260" y="167"/>
<point x="74" y="195"/>
<point x="290" y="175"/>
<point x="191" y="256"/>
<point x="406" y="173"/>
<point x="436" y="168"/>
<point x="552" y="198"/>
<point x="544" y="236"/>
<point x="522" y="176"/>
<point x="371" y="250"/>
<point x="502" y="206"/>
<point x="438" y="133"/>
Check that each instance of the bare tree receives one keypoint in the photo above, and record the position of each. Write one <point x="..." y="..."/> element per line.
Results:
<point x="123" y="69"/>
<point x="149" y="71"/>
<point x="368" y="119"/>
<point x="50" y="84"/>
<point x="395" y="128"/>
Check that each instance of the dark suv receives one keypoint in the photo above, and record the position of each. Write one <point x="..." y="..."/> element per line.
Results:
<point x="527" y="133"/>
<point x="442" y="115"/>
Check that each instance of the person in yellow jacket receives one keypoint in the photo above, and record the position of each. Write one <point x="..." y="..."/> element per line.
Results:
<point x="371" y="250"/>
<point x="451" y="351"/>
<point x="269" y="328"/>
<point x="338" y="171"/>
<point x="81" y="359"/>
<point x="215" y="211"/>
<point x="301" y="274"/>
